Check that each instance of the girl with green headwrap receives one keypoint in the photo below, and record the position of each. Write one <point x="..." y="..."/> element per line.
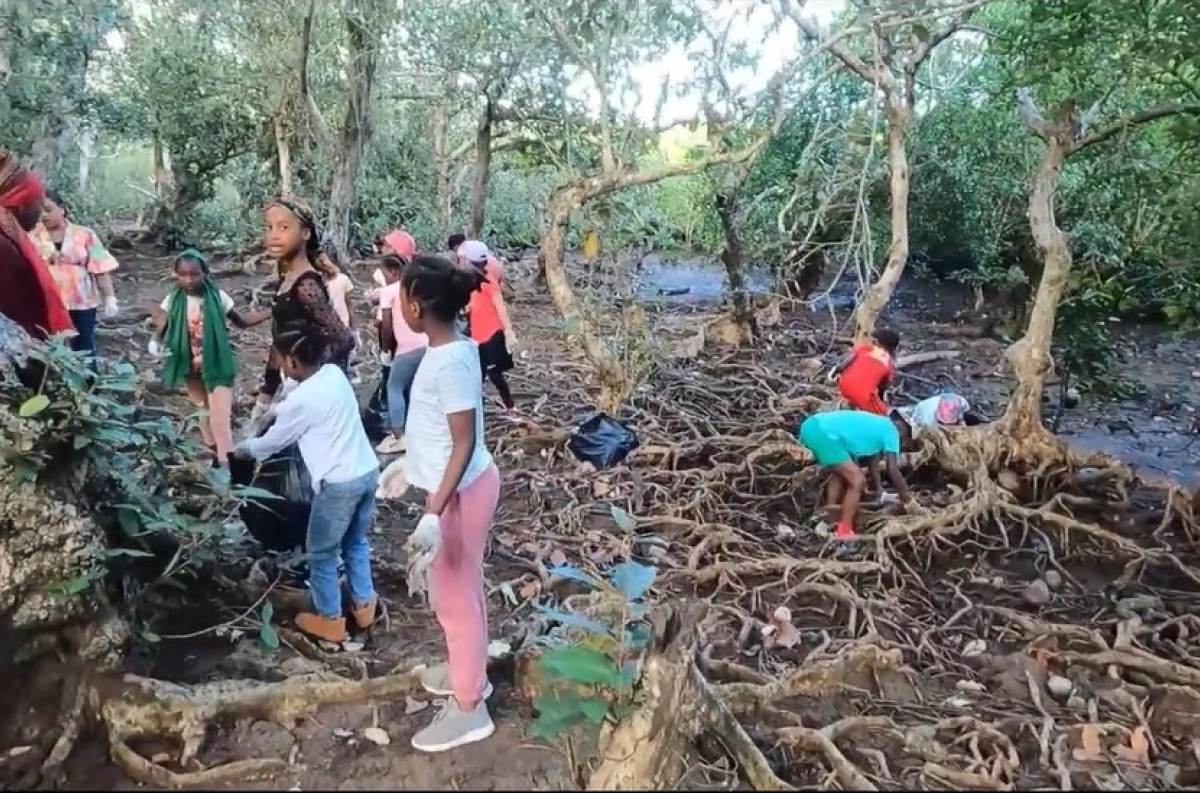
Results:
<point x="192" y="336"/>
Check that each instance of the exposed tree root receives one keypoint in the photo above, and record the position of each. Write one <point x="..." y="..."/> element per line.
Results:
<point x="134" y="708"/>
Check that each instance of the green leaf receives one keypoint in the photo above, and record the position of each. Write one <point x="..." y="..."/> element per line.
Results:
<point x="556" y="713"/>
<point x="132" y="552"/>
<point x="580" y="665"/>
<point x="623" y="519"/>
<point x="594" y="709"/>
<point x="633" y="578"/>
<point x="268" y="637"/>
<point x="78" y="584"/>
<point x="150" y="637"/>
<point x="33" y="406"/>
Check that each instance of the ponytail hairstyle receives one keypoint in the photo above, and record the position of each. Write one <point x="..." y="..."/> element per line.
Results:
<point x="303" y="341"/>
<point x="440" y="287"/>
<point x="318" y="244"/>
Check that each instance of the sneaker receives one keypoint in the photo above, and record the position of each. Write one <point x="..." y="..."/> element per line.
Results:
<point x="453" y="727"/>
<point x="436" y="680"/>
<point x="391" y="445"/>
<point x="331" y="630"/>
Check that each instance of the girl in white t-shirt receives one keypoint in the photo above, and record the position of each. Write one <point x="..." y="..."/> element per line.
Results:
<point x="448" y="459"/>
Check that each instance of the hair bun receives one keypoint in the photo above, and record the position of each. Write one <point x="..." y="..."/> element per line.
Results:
<point x="468" y="278"/>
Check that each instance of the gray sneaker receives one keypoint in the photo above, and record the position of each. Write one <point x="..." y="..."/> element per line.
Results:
<point x="436" y="680"/>
<point x="452" y="728"/>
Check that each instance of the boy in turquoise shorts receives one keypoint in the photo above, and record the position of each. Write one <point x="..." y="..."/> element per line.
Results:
<point x="838" y="440"/>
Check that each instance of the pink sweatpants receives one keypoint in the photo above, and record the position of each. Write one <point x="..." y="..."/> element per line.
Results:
<point x="456" y="581"/>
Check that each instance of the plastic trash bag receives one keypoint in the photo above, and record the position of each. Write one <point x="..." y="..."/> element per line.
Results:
<point x="375" y="415"/>
<point x="279" y="524"/>
<point x="602" y="441"/>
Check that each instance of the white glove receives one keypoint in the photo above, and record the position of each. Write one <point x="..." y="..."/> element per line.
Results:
<point x="110" y="307"/>
<point x="510" y="341"/>
<point x="155" y="348"/>
<point x="421" y="549"/>
<point x="385" y="358"/>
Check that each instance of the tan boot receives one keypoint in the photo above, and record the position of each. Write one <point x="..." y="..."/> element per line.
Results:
<point x="364" y="616"/>
<point x="331" y="630"/>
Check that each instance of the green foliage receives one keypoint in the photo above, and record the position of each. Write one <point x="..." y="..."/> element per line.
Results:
<point x="128" y="463"/>
<point x="591" y="678"/>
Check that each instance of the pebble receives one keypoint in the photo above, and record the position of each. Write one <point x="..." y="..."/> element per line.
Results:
<point x="1076" y="702"/>
<point x="1053" y="579"/>
<point x="1059" y="687"/>
<point x="1037" y="593"/>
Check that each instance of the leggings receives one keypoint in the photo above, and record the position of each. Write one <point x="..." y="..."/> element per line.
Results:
<point x="456" y="583"/>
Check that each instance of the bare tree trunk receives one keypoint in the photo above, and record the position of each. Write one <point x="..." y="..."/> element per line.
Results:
<point x="8" y="39"/>
<point x="87" y="152"/>
<point x="483" y="172"/>
<point x="1030" y="356"/>
<point x="442" y="196"/>
<point x="731" y="257"/>
<point x="881" y="291"/>
<point x="283" y="151"/>
<point x="364" y="43"/>
<point x="614" y="385"/>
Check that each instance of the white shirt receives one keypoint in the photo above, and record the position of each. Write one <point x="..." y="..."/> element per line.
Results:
<point x="321" y="416"/>
<point x="448" y="380"/>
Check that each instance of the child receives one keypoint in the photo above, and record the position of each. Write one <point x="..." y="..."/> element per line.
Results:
<point x="946" y="409"/>
<point x="191" y="323"/>
<point x="867" y="371"/>
<point x="404" y="347"/>
<point x="487" y="318"/>
<point x="448" y="459"/>
<point x="320" y="415"/>
<point x="837" y="440"/>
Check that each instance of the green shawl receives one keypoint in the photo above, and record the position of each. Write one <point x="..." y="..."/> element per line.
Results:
<point x="218" y="365"/>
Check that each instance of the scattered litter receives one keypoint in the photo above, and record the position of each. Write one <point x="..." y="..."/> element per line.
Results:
<point x="1059" y="687"/>
<point x="376" y="736"/>
<point x="412" y="706"/>
<point x="975" y="647"/>
<point x="342" y="732"/>
<point x="353" y="647"/>
<point x="498" y="649"/>
<point x="161" y="758"/>
<point x="17" y="751"/>
<point x="970" y="687"/>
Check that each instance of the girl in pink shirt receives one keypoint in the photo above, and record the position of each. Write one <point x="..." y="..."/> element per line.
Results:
<point x="403" y="350"/>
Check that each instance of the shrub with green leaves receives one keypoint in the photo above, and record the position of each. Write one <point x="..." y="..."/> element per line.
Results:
<point x="125" y="471"/>
<point x="590" y="670"/>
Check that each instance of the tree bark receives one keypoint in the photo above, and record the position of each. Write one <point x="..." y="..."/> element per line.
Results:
<point x="283" y="152"/>
<point x="731" y="257"/>
<point x="483" y="171"/>
<point x="87" y="152"/>
<point x="1030" y="356"/>
<point x="881" y="291"/>
<point x="442" y="196"/>
<point x="614" y="384"/>
<point x="364" y="40"/>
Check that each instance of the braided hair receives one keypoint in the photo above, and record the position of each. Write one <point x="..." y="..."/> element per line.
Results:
<point x="318" y="244"/>
<point x="303" y="341"/>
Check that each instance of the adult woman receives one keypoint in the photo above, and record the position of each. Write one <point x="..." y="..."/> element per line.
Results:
<point x="28" y="295"/>
<point x="81" y="267"/>
<point x="292" y="236"/>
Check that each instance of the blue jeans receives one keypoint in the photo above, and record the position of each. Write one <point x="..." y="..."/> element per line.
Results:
<point x="404" y="369"/>
<point x="85" y="325"/>
<point x="337" y="530"/>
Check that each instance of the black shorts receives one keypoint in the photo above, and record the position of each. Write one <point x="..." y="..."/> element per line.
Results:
<point x="494" y="354"/>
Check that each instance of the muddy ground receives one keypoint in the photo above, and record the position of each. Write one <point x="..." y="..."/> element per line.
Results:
<point x="735" y="533"/>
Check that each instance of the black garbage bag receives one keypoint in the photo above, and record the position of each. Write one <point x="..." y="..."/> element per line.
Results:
<point x="375" y="415"/>
<point x="279" y="524"/>
<point x="602" y="441"/>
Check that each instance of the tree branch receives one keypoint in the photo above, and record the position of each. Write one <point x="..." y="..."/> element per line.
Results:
<point x="1030" y="114"/>
<point x="837" y="47"/>
<point x="962" y="16"/>
<point x="1129" y="122"/>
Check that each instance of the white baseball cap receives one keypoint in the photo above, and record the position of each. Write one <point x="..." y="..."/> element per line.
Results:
<point x="474" y="251"/>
